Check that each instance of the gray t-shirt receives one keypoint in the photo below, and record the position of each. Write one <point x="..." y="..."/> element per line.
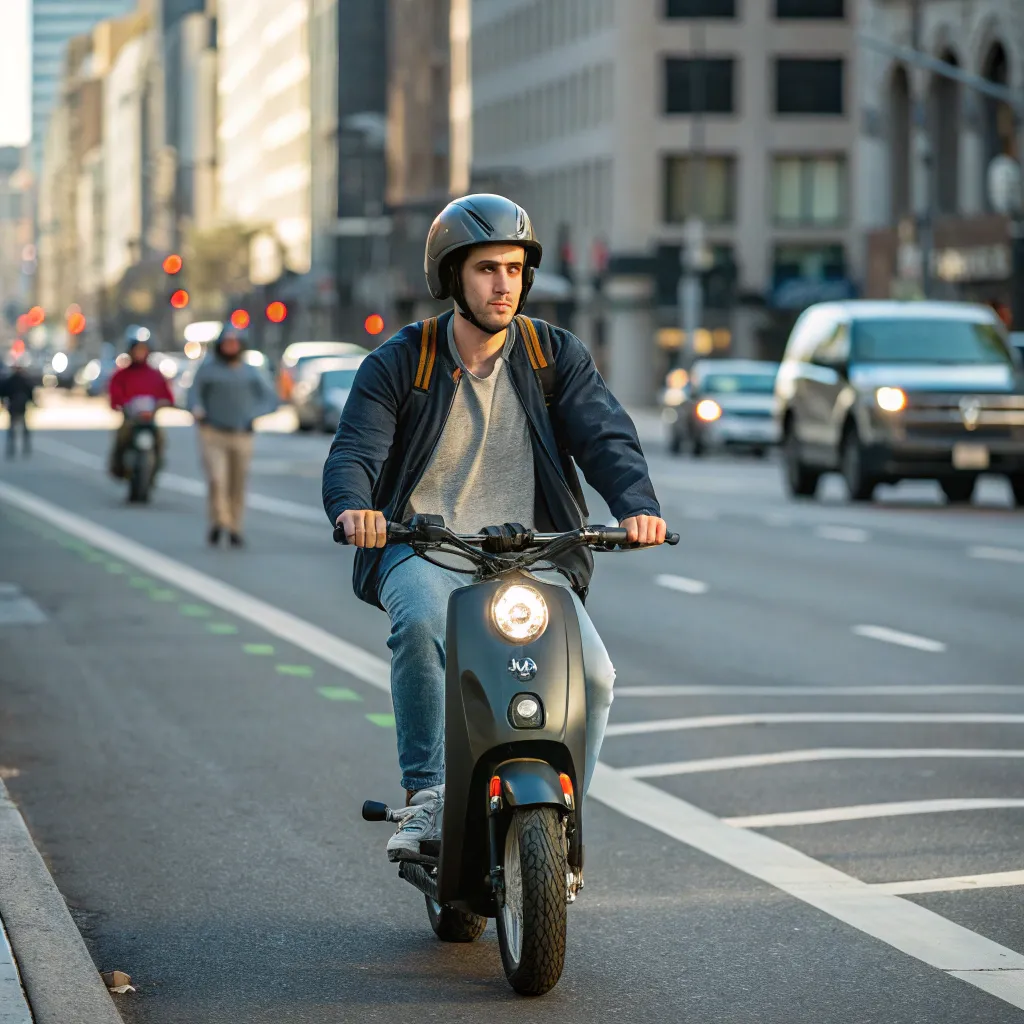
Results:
<point x="481" y="472"/>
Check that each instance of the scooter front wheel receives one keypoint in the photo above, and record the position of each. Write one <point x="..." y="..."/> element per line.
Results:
<point x="451" y="925"/>
<point x="531" y="924"/>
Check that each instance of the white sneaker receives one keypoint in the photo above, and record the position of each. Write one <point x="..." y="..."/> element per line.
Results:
<point x="421" y="823"/>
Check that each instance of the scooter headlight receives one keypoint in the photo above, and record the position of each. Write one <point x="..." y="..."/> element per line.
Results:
<point x="520" y="613"/>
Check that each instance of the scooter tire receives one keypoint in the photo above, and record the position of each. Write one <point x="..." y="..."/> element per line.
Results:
<point x="535" y="850"/>
<point x="451" y="925"/>
<point x="141" y="478"/>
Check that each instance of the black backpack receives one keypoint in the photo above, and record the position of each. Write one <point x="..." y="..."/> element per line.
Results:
<point x="537" y="339"/>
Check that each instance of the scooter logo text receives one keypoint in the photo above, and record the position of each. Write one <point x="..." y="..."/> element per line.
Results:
<point x="523" y="669"/>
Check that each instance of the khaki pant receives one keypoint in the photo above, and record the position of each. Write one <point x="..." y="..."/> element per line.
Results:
<point x="226" y="457"/>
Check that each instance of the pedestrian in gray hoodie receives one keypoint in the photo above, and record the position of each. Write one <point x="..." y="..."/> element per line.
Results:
<point x="227" y="395"/>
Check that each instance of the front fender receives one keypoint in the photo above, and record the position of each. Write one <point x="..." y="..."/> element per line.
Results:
<point x="526" y="782"/>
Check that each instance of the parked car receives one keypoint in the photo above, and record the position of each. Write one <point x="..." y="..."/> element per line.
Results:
<point x="1017" y="341"/>
<point x="725" y="403"/>
<point x="320" y="395"/>
<point x="887" y="391"/>
<point x="182" y="382"/>
<point x="302" y="351"/>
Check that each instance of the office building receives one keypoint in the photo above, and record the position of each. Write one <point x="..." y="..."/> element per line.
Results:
<point x="54" y="23"/>
<point x="615" y="121"/>
<point x="927" y="142"/>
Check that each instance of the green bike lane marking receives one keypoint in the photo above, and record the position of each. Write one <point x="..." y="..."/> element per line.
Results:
<point x="158" y="592"/>
<point x="339" y="693"/>
<point x="299" y="671"/>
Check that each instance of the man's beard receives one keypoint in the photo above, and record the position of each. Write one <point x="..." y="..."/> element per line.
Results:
<point x="493" y="321"/>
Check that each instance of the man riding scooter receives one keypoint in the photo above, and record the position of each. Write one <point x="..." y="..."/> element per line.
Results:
<point x="138" y="382"/>
<point x="458" y="417"/>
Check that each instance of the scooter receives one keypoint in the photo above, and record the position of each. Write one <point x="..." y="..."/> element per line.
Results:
<point x="515" y="748"/>
<point x="140" y="452"/>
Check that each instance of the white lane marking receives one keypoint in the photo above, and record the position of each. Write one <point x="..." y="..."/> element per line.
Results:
<point x="683" y="584"/>
<point x="815" y="717"/>
<point x="904" y="925"/>
<point x="898" y="690"/>
<point x="894" y="636"/>
<point x="331" y="649"/>
<point x="955" y="883"/>
<point x="846" y="534"/>
<point x="699" y="766"/>
<point x="861" y="812"/>
<point x="997" y="554"/>
<point x="187" y="485"/>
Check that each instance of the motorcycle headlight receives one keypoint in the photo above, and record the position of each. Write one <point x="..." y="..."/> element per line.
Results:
<point x="520" y="613"/>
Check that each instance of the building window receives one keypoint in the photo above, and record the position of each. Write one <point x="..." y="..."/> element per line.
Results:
<point x="700" y="8"/>
<point x="809" y="190"/>
<point x="809" y="9"/>
<point x="808" y="86"/>
<point x="701" y="86"/>
<point x="704" y="188"/>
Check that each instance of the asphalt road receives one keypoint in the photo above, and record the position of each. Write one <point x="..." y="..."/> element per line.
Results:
<point x="817" y="705"/>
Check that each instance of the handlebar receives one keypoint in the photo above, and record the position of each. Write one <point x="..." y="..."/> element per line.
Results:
<point x="592" y="536"/>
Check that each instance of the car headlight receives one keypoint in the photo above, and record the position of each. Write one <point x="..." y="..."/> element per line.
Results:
<point x="708" y="410"/>
<point x="520" y="613"/>
<point x="891" y="399"/>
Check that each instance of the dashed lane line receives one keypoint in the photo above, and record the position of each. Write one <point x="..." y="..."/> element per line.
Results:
<point x="843" y="534"/>
<point x="862" y="812"/>
<point x="1012" y="555"/>
<point x="699" y="766"/>
<point x="682" y="584"/>
<point x="815" y="717"/>
<point x="897" y="690"/>
<point x="895" y="636"/>
<point x="955" y="883"/>
<point x="901" y="924"/>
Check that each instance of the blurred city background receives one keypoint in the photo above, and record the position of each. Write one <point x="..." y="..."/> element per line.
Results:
<point x="700" y="170"/>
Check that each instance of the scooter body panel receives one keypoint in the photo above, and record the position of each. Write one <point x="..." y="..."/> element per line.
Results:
<point x="480" y="685"/>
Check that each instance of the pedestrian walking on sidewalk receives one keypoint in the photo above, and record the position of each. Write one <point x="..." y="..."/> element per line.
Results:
<point x="227" y="395"/>
<point x="17" y="393"/>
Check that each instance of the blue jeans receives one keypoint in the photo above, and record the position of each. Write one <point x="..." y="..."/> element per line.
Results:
<point x="415" y="596"/>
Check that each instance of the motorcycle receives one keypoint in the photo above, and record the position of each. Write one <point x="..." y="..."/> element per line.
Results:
<point x="140" y="459"/>
<point x="515" y="749"/>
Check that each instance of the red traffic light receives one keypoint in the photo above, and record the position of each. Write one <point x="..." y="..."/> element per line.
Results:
<point x="36" y="316"/>
<point x="172" y="264"/>
<point x="17" y="348"/>
<point x="76" y="323"/>
<point x="240" y="319"/>
<point x="179" y="300"/>
<point x="276" y="312"/>
<point x="374" y="323"/>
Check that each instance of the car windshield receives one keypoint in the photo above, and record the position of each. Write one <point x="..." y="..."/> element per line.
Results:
<point x="933" y="341"/>
<point x="739" y="384"/>
<point x="337" y="379"/>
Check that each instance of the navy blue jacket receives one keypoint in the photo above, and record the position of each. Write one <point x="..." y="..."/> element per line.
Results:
<point x="385" y="440"/>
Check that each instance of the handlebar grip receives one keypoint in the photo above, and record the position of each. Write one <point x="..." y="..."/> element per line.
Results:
<point x="396" y="534"/>
<point x="672" y="539"/>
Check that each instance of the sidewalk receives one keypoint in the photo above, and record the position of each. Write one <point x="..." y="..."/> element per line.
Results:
<point x="13" y="1005"/>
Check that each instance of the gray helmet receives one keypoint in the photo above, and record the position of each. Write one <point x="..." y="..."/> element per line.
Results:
<point x="476" y="220"/>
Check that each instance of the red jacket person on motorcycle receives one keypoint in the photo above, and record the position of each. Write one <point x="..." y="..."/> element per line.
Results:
<point x="130" y="384"/>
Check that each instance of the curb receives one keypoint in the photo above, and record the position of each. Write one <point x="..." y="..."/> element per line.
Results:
<point x="57" y="972"/>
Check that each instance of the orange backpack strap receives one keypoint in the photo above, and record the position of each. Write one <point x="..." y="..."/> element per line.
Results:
<point x="541" y="357"/>
<point x="428" y="355"/>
